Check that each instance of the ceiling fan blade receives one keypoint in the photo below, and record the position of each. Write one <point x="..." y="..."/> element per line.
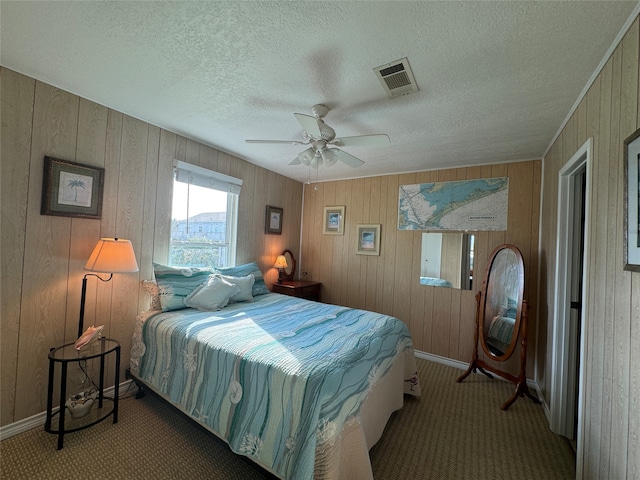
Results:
<point x="347" y="158"/>
<point x="378" y="140"/>
<point x="284" y="142"/>
<point x="295" y="161"/>
<point x="309" y="124"/>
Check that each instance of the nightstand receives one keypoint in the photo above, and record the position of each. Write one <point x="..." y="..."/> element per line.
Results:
<point x="96" y="351"/>
<point x="307" y="290"/>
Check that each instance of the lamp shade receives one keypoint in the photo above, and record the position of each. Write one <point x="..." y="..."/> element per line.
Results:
<point x="329" y="157"/>
<point x="112" y="255"/>
<point x="316" y="161"/>
<point x="281" y="262"/>
<point x="306" y="156"/>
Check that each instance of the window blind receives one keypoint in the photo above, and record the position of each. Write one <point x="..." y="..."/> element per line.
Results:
<point x="194" y="175"/>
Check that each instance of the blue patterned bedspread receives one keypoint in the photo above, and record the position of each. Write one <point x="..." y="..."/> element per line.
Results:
<point x="435" y="282"/>
<point x="501" y="329"/>
<point x="274" y="377"/>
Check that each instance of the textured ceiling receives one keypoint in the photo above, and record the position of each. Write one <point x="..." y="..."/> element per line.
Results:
<point x="496" y="79"/>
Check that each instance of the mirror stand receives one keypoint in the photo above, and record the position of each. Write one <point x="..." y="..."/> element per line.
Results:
<point x="501" y="317"/>
<point x="477" y="363"/>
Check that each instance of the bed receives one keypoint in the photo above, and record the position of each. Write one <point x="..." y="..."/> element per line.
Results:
<point x="435" y="282"/>
<point x="502" y="325"/>
<point x="500" y="333"/>
<point x="303" y="389"/>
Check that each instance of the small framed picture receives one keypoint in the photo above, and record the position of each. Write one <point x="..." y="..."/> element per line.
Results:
<point x="368" y="238"/>
<point x="71" y="189"/>
<point x="632" y="202"/>
<point x="273" y="220"/>
<point x="333" y="223"/>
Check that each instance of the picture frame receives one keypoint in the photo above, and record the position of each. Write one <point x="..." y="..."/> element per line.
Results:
<point x="333" y="220"/>
<point x="631" y="250"/>
<point x="71" y="189"/>
<point x="368" y="238"/>
<point x="273" y="220"/>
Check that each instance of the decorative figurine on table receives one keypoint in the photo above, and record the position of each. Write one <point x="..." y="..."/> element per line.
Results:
<point x="90" y="334"/>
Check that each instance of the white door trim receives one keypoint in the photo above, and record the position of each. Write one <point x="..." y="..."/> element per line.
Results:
<point x="563" y="365"/>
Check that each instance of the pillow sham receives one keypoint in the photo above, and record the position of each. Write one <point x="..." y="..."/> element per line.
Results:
<point x="512" y="308"/>
<point x="152" y="289"/>
<point x="246" y="287"/>
<point x="175" y="283"/>
<point x="213" y="294"/>
<point x="259" y="287"/>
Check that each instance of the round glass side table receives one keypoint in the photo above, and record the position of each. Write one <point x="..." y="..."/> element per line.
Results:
<point x="69" y="421"/>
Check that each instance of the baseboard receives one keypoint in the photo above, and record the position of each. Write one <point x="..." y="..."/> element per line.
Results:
<point x="38" y="419"/>
<point x="464" y="365"/>
<point x="545" y="405"/>
<point x="443" y="360"/>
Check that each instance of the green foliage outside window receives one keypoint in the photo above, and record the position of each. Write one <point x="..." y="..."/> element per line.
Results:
<point x="197" y="254"/>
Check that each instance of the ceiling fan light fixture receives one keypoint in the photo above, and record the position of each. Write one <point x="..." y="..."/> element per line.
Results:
<point x="306" y="156"/>
<point x="329" y="158"/>
<point x="316" y="161"/>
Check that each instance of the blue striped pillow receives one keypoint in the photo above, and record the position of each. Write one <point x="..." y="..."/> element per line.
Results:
<point x="176" y="283"/>
<point x="259" y="287"/>
<point x="512" y="308"/>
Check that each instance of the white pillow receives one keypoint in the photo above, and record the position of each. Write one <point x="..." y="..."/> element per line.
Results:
<point x="213" y="294"/>
<point x="246" y="286"/>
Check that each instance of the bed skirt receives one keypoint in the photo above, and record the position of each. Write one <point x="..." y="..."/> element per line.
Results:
<point x="345" y="456"/>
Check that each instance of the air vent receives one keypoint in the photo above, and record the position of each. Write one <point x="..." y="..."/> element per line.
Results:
<point x="396" y="78"/>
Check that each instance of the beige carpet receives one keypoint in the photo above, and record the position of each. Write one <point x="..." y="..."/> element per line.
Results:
<point x="455" y="431"/>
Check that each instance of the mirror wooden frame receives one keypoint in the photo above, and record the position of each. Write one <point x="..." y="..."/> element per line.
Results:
<point x="519" y="331"/>
<point x="289" y="272"/>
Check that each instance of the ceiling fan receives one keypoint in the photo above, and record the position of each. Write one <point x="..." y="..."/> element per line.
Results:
<point x="320" y="135"/>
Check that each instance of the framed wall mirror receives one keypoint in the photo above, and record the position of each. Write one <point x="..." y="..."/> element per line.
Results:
<point x="446" y="260"/>
<point x="501" y="319"/>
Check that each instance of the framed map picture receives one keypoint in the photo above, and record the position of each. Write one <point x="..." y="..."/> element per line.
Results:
<point x="474" y="205"/>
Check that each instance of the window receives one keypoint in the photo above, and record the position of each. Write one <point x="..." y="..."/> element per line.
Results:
<point x="204" y="217"/>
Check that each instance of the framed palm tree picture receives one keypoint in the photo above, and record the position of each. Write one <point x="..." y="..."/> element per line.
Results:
<point x="71" y="189"/>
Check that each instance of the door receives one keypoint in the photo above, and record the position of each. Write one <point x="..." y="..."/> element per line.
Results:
<point x="570" y="284"/>
<point x="576" y="272"/>
<point x="432" y="255"/>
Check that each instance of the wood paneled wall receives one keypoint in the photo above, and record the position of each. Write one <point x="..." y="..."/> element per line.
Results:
<point x="441" y="320"/>
<point x="43" y="256"/>
<point x="611" y="393"/>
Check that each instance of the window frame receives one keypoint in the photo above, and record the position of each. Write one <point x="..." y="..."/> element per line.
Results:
<point x="195" y="175"/>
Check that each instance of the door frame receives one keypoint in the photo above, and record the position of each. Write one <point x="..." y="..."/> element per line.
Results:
<point x="563" y="370"/>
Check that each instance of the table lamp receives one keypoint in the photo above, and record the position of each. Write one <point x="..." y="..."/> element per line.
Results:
<point x="110" y="255"/>
<point x="281" y="264"/>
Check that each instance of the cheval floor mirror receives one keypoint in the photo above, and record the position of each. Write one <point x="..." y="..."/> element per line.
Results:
<point x="501" y="319"/>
